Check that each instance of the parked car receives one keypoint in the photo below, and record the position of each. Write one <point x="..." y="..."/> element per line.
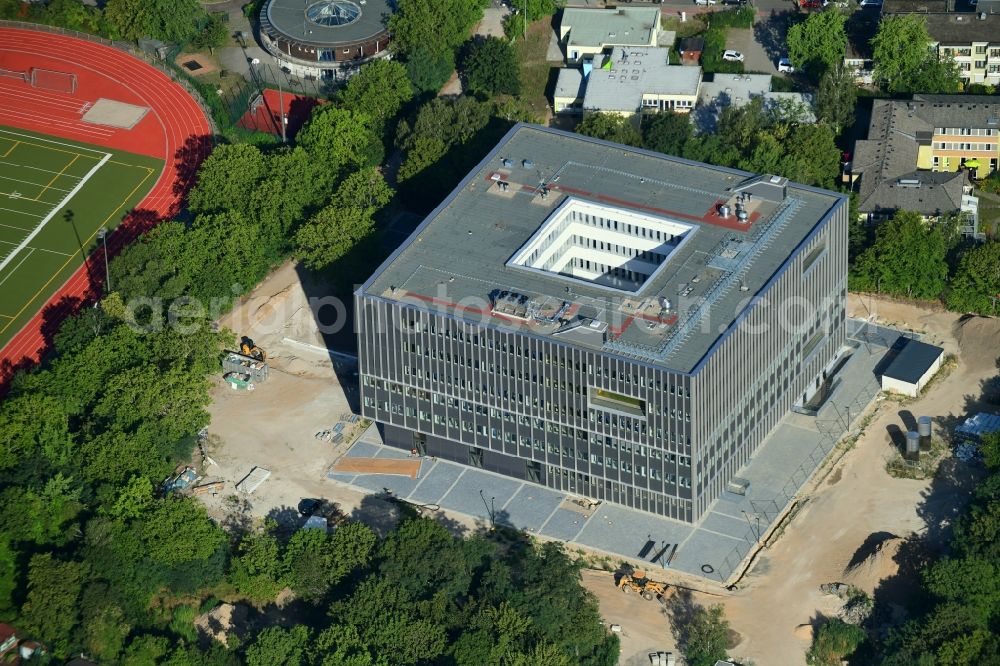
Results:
<point x="870" y="3"/>
<point x="704" y="2"/>
<point x="732" y="56"/>
<point x="785" y="66"/>
<point x="737" y="3"/>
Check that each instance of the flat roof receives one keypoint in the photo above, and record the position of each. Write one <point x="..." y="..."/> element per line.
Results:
<point x="569" y="83"/>
<point x="598" y="27"/>
<point x="456" y="262"/>
<point x="619" y="80"/>
<point x="314" y="22"/>
<point x="913" y="361"/>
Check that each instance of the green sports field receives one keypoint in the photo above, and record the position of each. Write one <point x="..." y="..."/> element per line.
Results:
<point x="55" y="195"/>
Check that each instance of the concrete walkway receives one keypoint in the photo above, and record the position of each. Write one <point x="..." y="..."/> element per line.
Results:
<point x="712" y="549"/>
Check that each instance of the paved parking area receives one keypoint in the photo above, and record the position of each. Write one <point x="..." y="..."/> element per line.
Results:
<point x="756" y="59"/>
<point x="713" y="548"/>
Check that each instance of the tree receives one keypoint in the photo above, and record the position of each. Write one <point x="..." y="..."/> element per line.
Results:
<point x="276" y="645"/>
<point x="835" y="641"/>
<point x="817" y="44"/>
<point x="666" y="132"/>
<point x="380" y="89"/>
<point x="530" y="11"/>
<point x="71" y="14"/>
<point x="705" y="640"/>
<point x="212" y="35"/>
<point x="436" y="26"/>
<point x="906" y="259"/>
<point x="52" y="610"/>
<point x="169" y="20"/>
<point x="813" y="158"/>
<point x="490" y="67"/>
<point x="258" y="570"/>
<point x="227" y="178"/>
<point x="836" y="98"/>
<point x="334" y="231"/>
<point x="429" y="70"/>
<point x="315" y="561"/>
<point x="340" y="139"/>
<point x="905" y="61"/>
<point x="610" y="127"/>
<point x="976" y="285"/>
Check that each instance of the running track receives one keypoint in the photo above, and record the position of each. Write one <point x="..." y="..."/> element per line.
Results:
<point x="175" y="129"/>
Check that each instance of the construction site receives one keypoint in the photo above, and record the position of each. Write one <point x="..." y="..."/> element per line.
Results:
<point x="844" y="526"/>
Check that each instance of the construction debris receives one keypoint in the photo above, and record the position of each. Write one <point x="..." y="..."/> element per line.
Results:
<point x="252" y="481"/>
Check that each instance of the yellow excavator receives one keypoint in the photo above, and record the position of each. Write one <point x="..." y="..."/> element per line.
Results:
<point x="248" y="348"/>
<point x="635" y="580"/>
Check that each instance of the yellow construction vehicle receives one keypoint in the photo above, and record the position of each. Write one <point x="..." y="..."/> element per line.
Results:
<point x="248" y="348"/>
<point x="636" y="581"/>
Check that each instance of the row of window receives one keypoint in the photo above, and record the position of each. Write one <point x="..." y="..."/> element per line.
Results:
<point x="949" y="145"/>
<point x="622" y="250"/>
<point x="518" y="351"/>
<point x="964" y="131"/>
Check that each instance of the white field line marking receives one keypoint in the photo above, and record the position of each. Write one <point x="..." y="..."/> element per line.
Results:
<point x="52" y="213"/>
<point x="41" y="249"/>
<point x="15" y="267"/>
<point x="28" y="182"/>
<point x="22" y="213"/>
<point x="26" y="166"/>
<point x="58" y="143"/>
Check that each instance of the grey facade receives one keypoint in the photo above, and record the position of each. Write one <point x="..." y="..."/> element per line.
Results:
<point x="595" y="396"/>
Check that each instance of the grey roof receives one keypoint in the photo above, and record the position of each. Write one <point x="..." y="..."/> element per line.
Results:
<point x="569" y="83"/>
<point x="737" y="90"/>
<point x="600" y="27"/>
<point x="457" y="259"/>
<point x="696" y="44"/>
<point x="889" y="155"/>
<point x="288" y="17"/>
<point x="634" y="72"/>
<point x="913" y="361"/>
<point x="953" y="27"/>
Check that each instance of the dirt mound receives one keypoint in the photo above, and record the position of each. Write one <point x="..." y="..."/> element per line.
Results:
<point x="222" y="620"/>
<point x="880" y="564"/>
<point x="804" y="632"/>
<point x="976" y="337"/>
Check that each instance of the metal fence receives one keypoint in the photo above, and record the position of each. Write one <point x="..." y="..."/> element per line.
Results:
<point x="130" y="49"/>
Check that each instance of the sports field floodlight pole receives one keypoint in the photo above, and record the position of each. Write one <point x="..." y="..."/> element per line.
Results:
<point x="102" y="235"/>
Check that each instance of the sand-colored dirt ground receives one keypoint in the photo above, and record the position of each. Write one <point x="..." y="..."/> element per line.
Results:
<point x="848" y="503"/>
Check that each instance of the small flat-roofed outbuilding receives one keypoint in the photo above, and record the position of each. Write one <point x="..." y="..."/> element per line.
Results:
<point x="912" y="368"/>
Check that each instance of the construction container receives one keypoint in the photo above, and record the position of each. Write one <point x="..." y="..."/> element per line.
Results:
<point x="252" y="481"/>
<point x="912" y="445"/>
<point x="924" y="429"/>
<point x="241" y="364"/>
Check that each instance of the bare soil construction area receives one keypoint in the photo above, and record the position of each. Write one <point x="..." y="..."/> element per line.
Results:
<point x="854" y="523"/>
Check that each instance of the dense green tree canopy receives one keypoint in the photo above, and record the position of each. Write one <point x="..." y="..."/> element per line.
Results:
<point x="435" y="26"/>
<point x="666" y="132"/>
<point x="341" y="139"/>
<point x="379" y="89"/>
<point x="904" y="60"/>
<point x="169" y="20"/>
<point x="705" y="636"/>
<point x="429" y="70"/>
<point x="610" y="127"/>
<point x="907" y="259"/>
<point x="490" y="67"/>
<point x="837" y="97"/>
<point x="976" y="285"/>
<point x="817" y="44"/>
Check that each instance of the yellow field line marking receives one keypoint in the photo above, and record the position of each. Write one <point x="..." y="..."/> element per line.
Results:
<point x="55" y="177"/>
<point x="66" y="263"/>
<point x="10" y="150"/>
<point x="133" y="166"/>
<point x="63" y="150"/>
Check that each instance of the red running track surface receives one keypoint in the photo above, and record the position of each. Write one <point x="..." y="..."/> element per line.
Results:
<point x="174" y="129"/>
<point x="268" y="116"/>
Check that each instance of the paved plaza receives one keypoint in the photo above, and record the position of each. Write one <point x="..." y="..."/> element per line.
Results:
<point x="712" y="548"/>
